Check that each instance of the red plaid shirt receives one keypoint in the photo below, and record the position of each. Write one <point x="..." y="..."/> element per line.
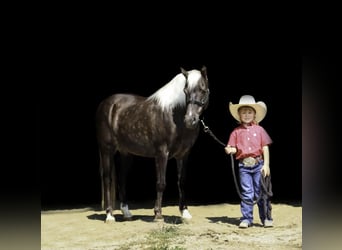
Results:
<point x="249" y="140"/>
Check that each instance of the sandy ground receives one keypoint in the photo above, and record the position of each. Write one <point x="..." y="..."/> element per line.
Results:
<point x="212" y="227"/>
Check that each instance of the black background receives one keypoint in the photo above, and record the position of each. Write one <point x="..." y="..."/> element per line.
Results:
<point x="74" y="56"/>
<point x="87" y="63"/>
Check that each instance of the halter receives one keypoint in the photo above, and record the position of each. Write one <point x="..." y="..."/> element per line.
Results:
<point x="201" y="102"/>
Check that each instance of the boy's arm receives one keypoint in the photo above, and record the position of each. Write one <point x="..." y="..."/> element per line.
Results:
<point x="266" y="155"/>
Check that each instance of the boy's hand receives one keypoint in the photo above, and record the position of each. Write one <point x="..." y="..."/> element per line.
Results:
<point x="230" y="150"/>
<point x="265" y="170"/>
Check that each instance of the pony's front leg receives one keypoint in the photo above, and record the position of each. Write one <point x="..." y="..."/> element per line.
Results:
<point x="181" y="169"/>
<point x="161" y="164"/>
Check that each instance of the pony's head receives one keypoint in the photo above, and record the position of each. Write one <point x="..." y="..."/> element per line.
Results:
<point x="196" y="91"/>
<point x="189" y="90"/>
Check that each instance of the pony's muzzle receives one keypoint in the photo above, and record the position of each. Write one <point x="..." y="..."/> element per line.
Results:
<point x="191" y="121"/>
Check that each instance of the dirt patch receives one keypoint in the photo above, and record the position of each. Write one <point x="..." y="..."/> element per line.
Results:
<point x="212" y="227"/>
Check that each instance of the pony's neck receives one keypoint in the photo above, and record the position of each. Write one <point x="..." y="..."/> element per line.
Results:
<point x="171" y="94"/>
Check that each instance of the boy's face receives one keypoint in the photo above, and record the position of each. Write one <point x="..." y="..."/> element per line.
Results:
<point x="247" y="114"/>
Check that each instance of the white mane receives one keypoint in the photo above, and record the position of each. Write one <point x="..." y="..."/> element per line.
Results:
<point x="171" y="94"/>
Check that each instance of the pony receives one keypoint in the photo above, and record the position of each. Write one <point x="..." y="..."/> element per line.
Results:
<point x="162" y="126"/>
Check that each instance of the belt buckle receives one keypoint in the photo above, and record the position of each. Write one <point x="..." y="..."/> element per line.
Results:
<point x="249" y="161"/>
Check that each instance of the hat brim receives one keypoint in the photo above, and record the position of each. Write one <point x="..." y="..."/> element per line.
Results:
<point x="259" y="107"/>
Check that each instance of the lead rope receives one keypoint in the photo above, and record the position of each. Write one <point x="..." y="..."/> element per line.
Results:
<point x="262" y="179"/>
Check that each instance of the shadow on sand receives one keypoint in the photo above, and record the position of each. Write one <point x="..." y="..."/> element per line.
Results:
<point x="146" y="218"/>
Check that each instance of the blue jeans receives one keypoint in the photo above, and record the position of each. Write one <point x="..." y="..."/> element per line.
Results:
<point x="250" y="190"/>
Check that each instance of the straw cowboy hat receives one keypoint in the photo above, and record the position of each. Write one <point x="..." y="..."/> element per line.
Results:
<point x="248" y="100"/>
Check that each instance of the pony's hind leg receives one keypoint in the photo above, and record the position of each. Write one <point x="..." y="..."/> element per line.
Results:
<point x="126" y="163"/>
<point x="108" y="184"/>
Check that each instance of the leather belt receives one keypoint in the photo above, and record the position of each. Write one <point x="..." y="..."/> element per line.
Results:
<point x="250" y="161"/>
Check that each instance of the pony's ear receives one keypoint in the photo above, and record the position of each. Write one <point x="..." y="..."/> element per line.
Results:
<point x="184" y="72"/>
<point x="204" y="71"/>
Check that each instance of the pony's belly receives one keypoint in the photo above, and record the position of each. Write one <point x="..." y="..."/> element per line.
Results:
<point x="137" y="148"/>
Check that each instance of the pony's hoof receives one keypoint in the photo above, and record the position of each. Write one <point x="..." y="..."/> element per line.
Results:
<point x="110" y="219"/>
<point x="126" y="213"/>
<point x="186" y="216"/>
<point x="158" y="218"/>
